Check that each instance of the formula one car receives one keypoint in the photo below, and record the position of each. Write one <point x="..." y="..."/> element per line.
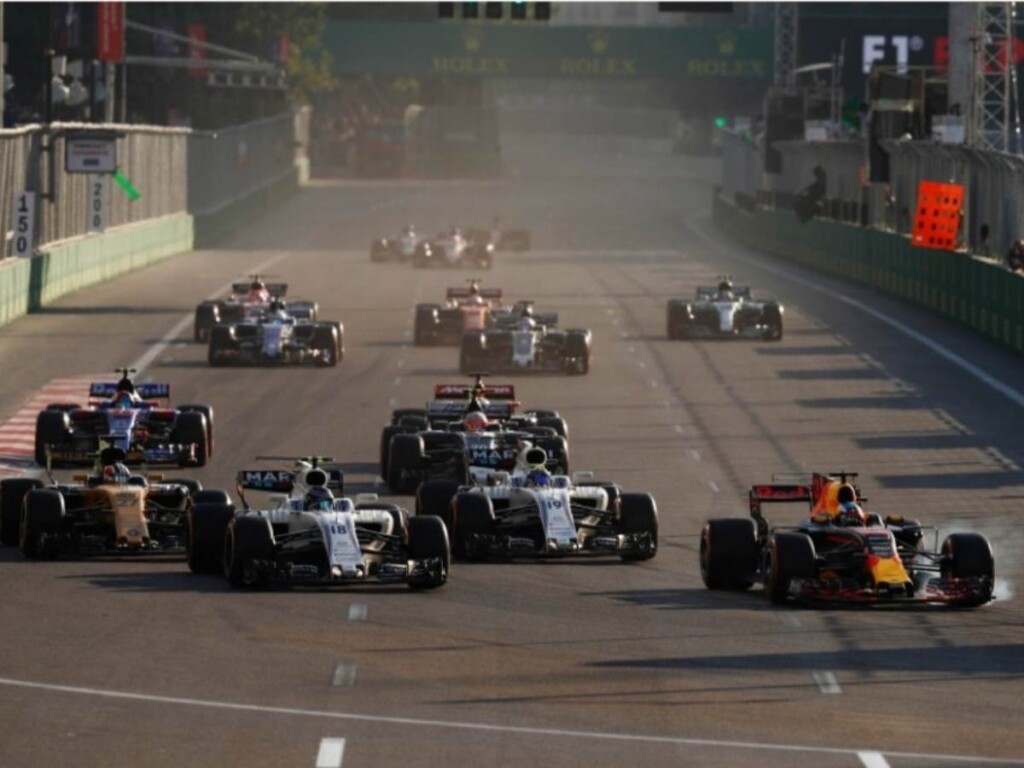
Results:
<point x="526" y="346"/>
<point x="400" y="248"/>
<point x="274" y="337"/>
<point x="439" y="449"/>
<point x="725" y="311"/>
<point x="453" y="249"/>
<point x="110" y="511"/>
<point x="502" y="239"/>
<point x="246" y="299"/>
<point x="131" y="417"/>
<point x="840" y="553"/>
<point x="305" y="536"/>
<point x="529" y="512"/>
<point x="464" y="309"/>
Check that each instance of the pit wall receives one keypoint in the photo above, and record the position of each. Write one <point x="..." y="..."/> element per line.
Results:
<point x="974" y="292"/>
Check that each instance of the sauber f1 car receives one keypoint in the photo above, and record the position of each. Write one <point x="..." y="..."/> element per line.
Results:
<point x="840" y="553"/>
<point x="110" y="511"/>
<point x="724" y="312"/>
<point x="131" y="417"/>
<point x="274" y="337"/>
<point x="246" y="299"/>
<point x="306" y="536"/>
<point x="529" y="512"/>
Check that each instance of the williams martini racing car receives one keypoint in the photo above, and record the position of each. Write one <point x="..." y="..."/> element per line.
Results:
<point x="530" y="512"/>
<point x="842" y="554"/>
<point x="246" y="299"/>
<point x="306" y="536"/>
<point x="131" y="417"/>
<point x="526" y="346"/>
<point x="110" y="511"/>
<point x="725" y="311"/>
<point x="275" y="337"/>
<point x="454" y="249"/>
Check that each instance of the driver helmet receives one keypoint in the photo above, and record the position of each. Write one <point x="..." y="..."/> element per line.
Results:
<point x="475" y="421"/>
<point x="318" y="499"/>
<point x="850" y="515"/>
<point x="257" y="285"/>
<point x="277" y="305"/>
<point x="116" y="474"/>
<point x="122" y="400"/>
<point x="725" y="289"/>
<point x="536" y="460"/>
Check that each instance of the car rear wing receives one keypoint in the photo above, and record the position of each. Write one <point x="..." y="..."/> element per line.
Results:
<point x="266" y="480"/>
<point x="278" y="290"/>
<point x="464" y="391"/>
<point x="151" y="391"/>
<point x="465" y="293"/>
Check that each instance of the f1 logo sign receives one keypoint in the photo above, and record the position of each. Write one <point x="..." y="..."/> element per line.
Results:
<point x="875" y="49"/>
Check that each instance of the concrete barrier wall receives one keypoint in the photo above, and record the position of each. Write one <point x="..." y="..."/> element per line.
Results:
<point x="976" y="293"/>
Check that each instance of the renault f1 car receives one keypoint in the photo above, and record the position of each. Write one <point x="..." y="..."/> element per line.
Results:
<point x="247" y="298"/>
<point x="840" y="554"/>
<point x="276" y="338"/>
<point x="110" y="511"/>
<point x="529" y="347"/>
<point x="454" y="249"/>
<point x="131" y="417"/>
<point x="529" y="512"/>
<point x="725" y="311"/>
<point x="305" y="536"/>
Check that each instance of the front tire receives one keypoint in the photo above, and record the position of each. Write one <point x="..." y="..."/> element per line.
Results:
<point x="638" y="516"/>
<point x="42" y="518"/>
<point x="12" y="499"/>
<point x="428" y="540"/>
<point x="248" y="540"/>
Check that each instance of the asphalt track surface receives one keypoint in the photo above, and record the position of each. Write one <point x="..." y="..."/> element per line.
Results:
<point x="138" y="662"/>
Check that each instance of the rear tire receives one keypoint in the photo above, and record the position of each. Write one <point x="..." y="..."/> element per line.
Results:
<point x="728" y="554"/>
<point x="577" y="353"/>
<point x="12" y="499"/>
<point x="327" y="341"/>
<point x="207" y="316"/>
<point x="638" y="514"/>
<point x="404" y="461"/>
<point x="425" y="325"/>
<point x="207" y="411"/>
<point x="428" y="539"/>
<point x="206" y="524"/>
<point x="221" y="340"/>
<point x="434" y="497"/>
<point x="190" y="429"/>
<point x="472" y="353"/>
<point x="474" y="515"/>
<point x="52" y="428"/>
<point x="771" y="316"/>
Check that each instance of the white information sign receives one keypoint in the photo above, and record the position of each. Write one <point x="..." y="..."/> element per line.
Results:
<point x="97" y="202"/>
<point x="90" y="155"/>
<point x="24" y="224"/>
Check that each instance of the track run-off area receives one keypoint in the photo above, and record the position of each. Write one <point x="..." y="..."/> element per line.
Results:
<point x="130" y="662"/>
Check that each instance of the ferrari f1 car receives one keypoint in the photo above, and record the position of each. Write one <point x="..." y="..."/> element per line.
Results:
<point x="464" y="309"/>
<point x="274" y="337"/>
<point x="530" y="512"/>
<point x="306" y="536"/>
<point x="527" y="347"/>
<point x="131" y="417"/>
<point x="246" y="299"/>
<point x="454" y="249"/>
<point x="110" y="511"/>
<point x="840" y="553"/>
<point x="725" y="311"/>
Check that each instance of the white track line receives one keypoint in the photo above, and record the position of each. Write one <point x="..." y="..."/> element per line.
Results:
<point x="489" y="728"/>
<point x="344" y="675"/>
<point x="873" y="760"/>
<point x="827" y="682"/>
<point x="358" y="612"/>
<point x="947" y="354"/>
<point x="331" y="753"/>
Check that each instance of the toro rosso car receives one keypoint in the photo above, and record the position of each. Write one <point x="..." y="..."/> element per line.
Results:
<point x="275" y="337"/>
<point x="306" y="536"/>
<point x="842" y="554"/>
<point x="134" y="418"/>
<point x="247" y="298"/>
<point x="464" y="309"/>
<point x="110" y="511"/>
<point x="529" y="512"/>
<point x="725" y="311"/>
<point x="527" y="347"/>
<point x="453" y="249"/>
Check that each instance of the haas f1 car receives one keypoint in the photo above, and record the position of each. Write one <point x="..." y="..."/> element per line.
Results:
<point x="110" y="511"/>
<point x="276" y="338"/>
<point x="247" y="298"/>
<point x="842" y="554"/>
<point x="725" y="311"/>
<point x="306" y="536"/>
<point x="131" y="417"/>
<point x="529" y="512"/>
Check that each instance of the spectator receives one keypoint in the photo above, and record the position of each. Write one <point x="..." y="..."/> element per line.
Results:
<point x="1015" y="256"/>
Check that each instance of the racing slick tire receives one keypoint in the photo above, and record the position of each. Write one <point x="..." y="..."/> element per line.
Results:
<point x="399" y="415"/>
<point x="405" y="457"/>
<point x="969" y="556"/>
<point x="677" y="317"/>
<point x="194" y="486"/>
<point x="220" y="340"/>
<point x="472" y="353"/>
<point x="425" y="325"/>
<point x="213" y="496"/>
<point x="327" y="341"/>
<point x="207" y="411"/>
<point x="42" y="515"/>
<point x="248" y="538"/>
<point x="190" y="429"/>
<point x="428" y="539"/>
<point x="474" y="515"/>
<point x="12" y="498"/>
<point x="386" y="436"/>
<point x="638" y="514"/>
<point x="52" y="427"/>
<point x="452" y="443"/>
<point x="434" y="497"/>
<point x="207" y="316"/>
<point x="577" y="352"/>
<point x="556" y="423"/>
<point x="728" y="553"/>
<point x="790" y="556"/>
<point x="771" y="318"/>
<point x="205" y="526"/>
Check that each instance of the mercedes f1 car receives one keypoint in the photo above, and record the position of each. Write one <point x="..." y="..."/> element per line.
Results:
<point x="131" y="417"/>
<point x="110" y="511"/>
<point x="725" y="311"/>
<point x="454" y="249"/>
<point x="529" y="512"/>
<point x="527" y="347"/>
<point x="306" y="536"/>
<point x="247" y="298"/>
<point x="840" y="553"/>
<point x="274" y="337"/>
